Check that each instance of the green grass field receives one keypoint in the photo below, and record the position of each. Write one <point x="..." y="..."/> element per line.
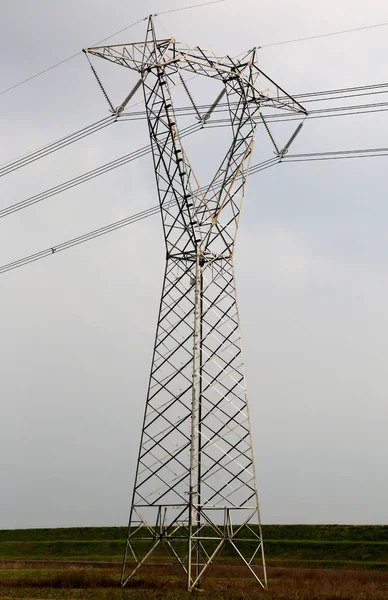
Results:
<point x="319" y="545"/>
<point x="306" y="562"/>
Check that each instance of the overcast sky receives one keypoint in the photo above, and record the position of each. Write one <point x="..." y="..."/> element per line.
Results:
<point x="311" y="261"/>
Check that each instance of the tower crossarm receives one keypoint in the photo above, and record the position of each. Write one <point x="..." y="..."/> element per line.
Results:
<point x="276" y="97"/>
<point x="137" y="56"/>
<point x="171" y="55"/>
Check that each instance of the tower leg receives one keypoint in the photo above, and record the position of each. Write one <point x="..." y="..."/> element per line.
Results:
<point x="195" y="491"/>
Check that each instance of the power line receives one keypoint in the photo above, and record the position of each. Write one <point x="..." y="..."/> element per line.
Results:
<point x="322" y="96"/>
<point x="15" y="85"/>
<point x="91" y="235"/>
<point x="309" y="97"/>
<point x="285" y="116"/>
<point x="329" y="115"/>
<point x="323" y="35"/>
<point x="342" y="90"/>
<point x="101" y="170"/>
<point x="118" y="162"/>
<point x="58" y="144"/>
<point x="119" y="31"/>
<point x="61" y="62"/>
<point x="327" y="95"/>
<point x="340" y="111"/>
<point x="311" y="156"/>
<point x="86" y="237"/>
<point x="177" y="10"/>
<point x="337" y="154"/>
<point x="166" y="12"/>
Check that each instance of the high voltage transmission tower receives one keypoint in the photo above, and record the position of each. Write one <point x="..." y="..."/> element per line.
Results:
<point x="195" y="488"/>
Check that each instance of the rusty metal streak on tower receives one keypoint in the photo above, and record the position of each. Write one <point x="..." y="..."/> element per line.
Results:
<point x="195" y="488"/>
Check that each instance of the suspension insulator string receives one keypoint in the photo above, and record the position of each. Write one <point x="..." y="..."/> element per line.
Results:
<point x="278" y="152"/>
<point x="100" y="84"/>
<point x="189" y="96"/>
<point x="287" y="146"/>
<point x="213" y="106"/>
<point x="131" y="94"/>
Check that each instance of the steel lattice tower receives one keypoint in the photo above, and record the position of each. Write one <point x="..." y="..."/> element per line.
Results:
<point x="195" y="488"/>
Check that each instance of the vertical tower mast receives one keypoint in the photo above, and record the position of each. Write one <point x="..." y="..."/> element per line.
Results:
<point x="195" y="488"/>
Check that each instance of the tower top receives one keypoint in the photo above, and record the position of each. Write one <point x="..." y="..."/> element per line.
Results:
<point x="174" y="56"/>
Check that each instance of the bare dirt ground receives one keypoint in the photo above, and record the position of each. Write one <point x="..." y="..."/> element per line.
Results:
<point x="99" y="580"/>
